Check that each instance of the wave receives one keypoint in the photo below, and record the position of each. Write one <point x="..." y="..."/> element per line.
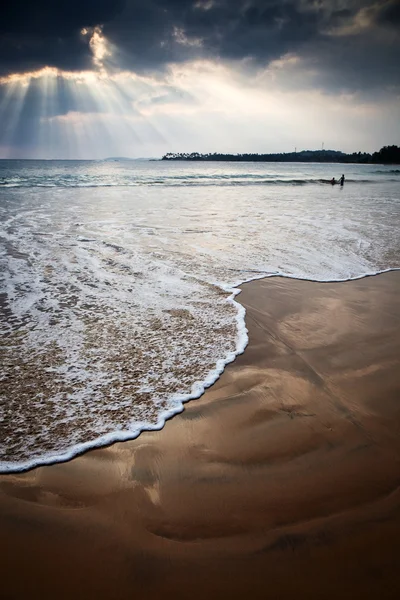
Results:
<point x="198" y="181"/>
<point x="386" y="171"/>
<point x="197" y="390"/>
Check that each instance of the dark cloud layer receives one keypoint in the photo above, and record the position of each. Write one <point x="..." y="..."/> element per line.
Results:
<point x="354" y="43"/>
<point x="37" y="33"/>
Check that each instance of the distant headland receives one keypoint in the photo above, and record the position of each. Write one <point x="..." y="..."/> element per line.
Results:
<point x="386" y="155"/>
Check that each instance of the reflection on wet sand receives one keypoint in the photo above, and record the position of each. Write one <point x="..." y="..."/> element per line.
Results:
<point x="281" y="481"/>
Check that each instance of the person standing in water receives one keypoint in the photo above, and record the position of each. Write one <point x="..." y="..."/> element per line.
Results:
<point x="333" y="181"/>
<point x="341" y="180"/>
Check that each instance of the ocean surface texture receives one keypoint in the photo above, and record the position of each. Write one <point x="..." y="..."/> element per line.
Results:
<point x="119" y="277"/>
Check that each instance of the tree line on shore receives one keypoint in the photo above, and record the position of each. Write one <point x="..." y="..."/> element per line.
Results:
<point x="386" y="155"/>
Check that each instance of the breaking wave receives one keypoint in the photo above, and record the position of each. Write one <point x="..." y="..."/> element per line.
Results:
<point x="194" y="181"/>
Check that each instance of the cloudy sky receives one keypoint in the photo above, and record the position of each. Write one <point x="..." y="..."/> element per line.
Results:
<point x="98" y="78"/>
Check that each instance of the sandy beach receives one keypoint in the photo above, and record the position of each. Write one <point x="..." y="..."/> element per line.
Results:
<point x="282" y="481"/>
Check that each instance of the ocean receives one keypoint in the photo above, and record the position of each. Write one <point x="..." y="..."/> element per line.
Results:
<point x="119" y="279"/>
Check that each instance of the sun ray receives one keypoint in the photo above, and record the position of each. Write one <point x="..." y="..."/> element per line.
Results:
<point x="12" y="109"/>
<point x="48" y="107"/>
<point x="91" y="126"/>
<point x="127" y="91"/>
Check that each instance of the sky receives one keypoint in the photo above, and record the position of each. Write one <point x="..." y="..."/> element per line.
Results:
<point x="140" y="78"/>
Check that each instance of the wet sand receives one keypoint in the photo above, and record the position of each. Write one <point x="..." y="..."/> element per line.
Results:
<point x="282" y="481"/>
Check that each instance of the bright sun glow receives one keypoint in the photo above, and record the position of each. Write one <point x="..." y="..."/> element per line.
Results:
<point x="99" y="46"/>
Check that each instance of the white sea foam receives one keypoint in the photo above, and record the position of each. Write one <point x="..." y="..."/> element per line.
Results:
<point x="119" y="304"/>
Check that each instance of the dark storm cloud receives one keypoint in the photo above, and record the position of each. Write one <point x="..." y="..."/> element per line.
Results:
<point x="152" y="34"/>
<point x="390" y="14"/>
<point x="37" y="33"/>
<point x="339" y="37"/>
<point x="44" y="17"/>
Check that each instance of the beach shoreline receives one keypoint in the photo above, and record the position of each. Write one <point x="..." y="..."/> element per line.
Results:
<point x="281" y="481"/>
